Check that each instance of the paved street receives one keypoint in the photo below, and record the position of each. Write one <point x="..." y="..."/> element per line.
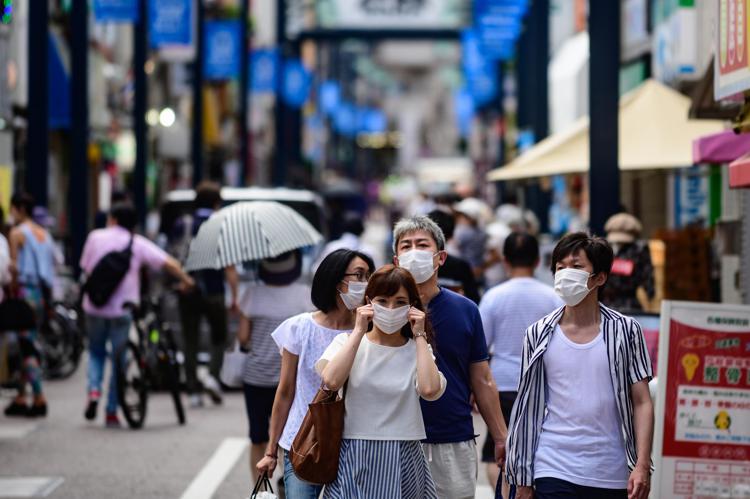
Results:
<point x="205" y="458"/>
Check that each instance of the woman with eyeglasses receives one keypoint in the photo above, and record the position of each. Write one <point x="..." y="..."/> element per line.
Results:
<point x="387" y="367"/>
<point x="338" y="288"/>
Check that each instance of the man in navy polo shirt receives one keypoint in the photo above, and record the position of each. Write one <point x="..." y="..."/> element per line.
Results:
<point x="419" y="246"/>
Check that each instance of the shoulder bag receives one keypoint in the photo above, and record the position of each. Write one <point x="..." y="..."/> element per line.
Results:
<point x="314" y="453"/>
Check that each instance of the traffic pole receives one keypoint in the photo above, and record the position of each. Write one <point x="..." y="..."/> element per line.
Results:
<point x="37" y="143"/>
<point x="604" y="74"/>
<point x="140" y="52"/>
<point x="197" y="131"/>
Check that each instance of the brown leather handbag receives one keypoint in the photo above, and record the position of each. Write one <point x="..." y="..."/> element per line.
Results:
<point x="315" y="450"/>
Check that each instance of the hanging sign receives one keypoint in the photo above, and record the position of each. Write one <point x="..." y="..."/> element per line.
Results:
<point x="115" y="11"/>
<point x="702" y="440"/>
<point x="222" y="50"/>
<point x="170" y="22"/>
<point x="731" y="62"/>
<point x="264" y="67"/>
<point x="329" y="96"/>
<point x="296" y="83"/>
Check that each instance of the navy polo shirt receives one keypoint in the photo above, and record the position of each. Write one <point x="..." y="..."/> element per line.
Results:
<point x="460" y="342"/>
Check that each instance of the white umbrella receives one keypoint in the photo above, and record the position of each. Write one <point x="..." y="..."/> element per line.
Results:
<point x="249" y="231"/>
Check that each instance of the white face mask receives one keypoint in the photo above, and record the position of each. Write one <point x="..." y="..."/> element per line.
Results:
<point x="355" y="296"/>
<point x="390" y="320"/>
<point x="572" y="285"/>
<point x="418" y="263"/>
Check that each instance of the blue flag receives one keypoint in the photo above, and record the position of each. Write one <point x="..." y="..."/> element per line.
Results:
<point x="296" y="83"/>
<point x="221" y="56"/>
<point x="170" y="22"/>
<point x="264" y="69"/>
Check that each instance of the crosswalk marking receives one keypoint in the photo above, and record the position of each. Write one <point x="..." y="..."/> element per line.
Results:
<point x="209" y="479"/>
<point x="28" y="486"/>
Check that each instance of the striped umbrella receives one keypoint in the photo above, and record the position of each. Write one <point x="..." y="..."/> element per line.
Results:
<point x="249" y="231"/>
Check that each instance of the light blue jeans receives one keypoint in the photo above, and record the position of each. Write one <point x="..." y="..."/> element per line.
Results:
<point x="294" y="488"/>
<point x="100" y="330"/>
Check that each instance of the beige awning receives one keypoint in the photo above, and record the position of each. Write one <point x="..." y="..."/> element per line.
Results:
<point x="655" y="133"/>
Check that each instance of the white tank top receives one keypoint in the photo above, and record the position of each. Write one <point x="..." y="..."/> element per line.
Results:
<point x="581" y="440"/>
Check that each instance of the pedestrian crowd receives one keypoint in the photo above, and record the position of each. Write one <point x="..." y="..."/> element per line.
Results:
<point x="558" y="376"/>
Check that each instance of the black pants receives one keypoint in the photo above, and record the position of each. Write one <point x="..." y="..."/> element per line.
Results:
<point x="193" y="307"/>
<point x="507" y="399"/>
<point x="553" y="488"/>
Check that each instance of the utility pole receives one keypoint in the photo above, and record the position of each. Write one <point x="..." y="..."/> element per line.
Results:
<point x="197" y="132"/>
<point x="278" y="177"/>
<point x="140" y="52"/>
<point x="37" y="143"/>
<point x="604" y="73"/>
<point x="78" y="187"/>
<point x="244" y="88"/>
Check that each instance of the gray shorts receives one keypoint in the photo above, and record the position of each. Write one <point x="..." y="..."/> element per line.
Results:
<point x="454" y="468"/>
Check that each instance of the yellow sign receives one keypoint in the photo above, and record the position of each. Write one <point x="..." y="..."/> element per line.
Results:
<point x="690" y="363"/>
<point x="6" y="187"/>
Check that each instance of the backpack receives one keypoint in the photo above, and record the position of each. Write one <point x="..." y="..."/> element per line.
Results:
<point x="107" y="275"/>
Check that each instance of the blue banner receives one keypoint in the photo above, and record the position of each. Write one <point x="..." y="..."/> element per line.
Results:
<point x="221" y="55"/>
<point x="170" y="22"/>
<point x="329" y="96"/>
<point x="463" y="105"/>
<point x="345" y="119"/>
<point x="480" y="73"/>
<point x="296" y="83"/>
<point x="498" y="25"/>
<point x="116" y="11"/>
<point x="375" y="121"/>
<point x="264" y="70"/>
<point x="59" y="93"/>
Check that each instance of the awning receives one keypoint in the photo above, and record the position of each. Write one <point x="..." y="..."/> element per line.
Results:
<point x="722" y="147"/>
<point x="739" y="172"/>
<point x="655" y="133"/>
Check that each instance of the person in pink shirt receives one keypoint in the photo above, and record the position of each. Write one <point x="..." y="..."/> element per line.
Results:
<point x="111" y="322"/>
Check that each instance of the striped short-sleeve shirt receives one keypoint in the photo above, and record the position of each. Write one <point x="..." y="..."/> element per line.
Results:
<point x="629" y="363"/>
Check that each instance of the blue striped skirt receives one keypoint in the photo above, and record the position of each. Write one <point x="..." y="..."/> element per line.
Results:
<point x="387" y="469"/>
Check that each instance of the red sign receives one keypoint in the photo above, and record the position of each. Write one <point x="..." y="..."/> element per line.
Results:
<point x="732" y="36"/>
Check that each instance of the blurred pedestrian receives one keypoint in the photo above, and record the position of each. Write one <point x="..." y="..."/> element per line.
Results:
<point x="507" y="310"/>
<point x="471" y="213"/>
<point x="456" y="273"/>
<point x="462" y="357"/>
<point x="384" y="375"/>
<point x="263" y="307"/>
<point x="5" y="275"/>
<point x="338" y="289"/>
<point x="631" y="268"/>
<point x="32" y="265"/>
<point x="109" y="324"/>
<point x="583" y="423"/>
<point x="350" y="239"/>
<point x="207" y="300"/>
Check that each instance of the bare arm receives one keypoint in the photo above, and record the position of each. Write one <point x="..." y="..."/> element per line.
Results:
<point x="428" y="376"/>
<point x="336" y="371"/>
<point x="282" y="404"/>
<point x="643" y="419"/>
<point x="174" y="268"/>
<point x="244" y="331"/>
<point x="16" y="242"/>
<point x="233" y="279"/>
<point x="488" y="402"/>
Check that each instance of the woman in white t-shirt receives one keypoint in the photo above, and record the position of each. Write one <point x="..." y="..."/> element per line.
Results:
<point x="386" y="370"/>
<point x="338" y="288"/>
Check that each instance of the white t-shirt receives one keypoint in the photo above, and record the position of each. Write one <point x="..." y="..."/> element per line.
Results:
<point x="382" y="401"/>
<point x="302" y="336"/>
<point x="267" y="307"/>
<point x="581" y="440"/>
<point x="507" y="310"/>
<point x="4" y="264"/>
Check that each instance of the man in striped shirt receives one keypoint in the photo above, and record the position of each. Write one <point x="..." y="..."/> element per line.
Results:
<point x="582" y="424"/>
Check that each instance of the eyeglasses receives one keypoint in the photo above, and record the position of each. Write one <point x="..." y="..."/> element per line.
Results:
<point x="359" y="276"/>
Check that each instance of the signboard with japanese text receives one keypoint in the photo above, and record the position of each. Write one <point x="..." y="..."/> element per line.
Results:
<point x="390" y="14"/>
<point x="702" y="439"/>
<point x="222" y="50"/>
<point x="116" y="11"/>
<point x="732" y="64"/>
<point x="170" y="22"/>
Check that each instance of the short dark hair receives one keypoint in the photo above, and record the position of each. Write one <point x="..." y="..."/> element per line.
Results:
<point x="445" y="221"/>
<point x="124" y="214"/>
<point x="23" y="201"/>
<point x="207" y="195"/>
<point x="330" y="273"/>
<point x="521" y="250"/>
<point x="597" y="250"/>
<point x="353" y="223"/>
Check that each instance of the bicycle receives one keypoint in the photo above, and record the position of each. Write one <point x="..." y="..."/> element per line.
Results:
<point x="146" y="364"/>
<point x="61" y="341"/>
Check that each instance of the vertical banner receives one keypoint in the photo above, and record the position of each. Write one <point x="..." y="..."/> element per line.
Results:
<point x="170" y="22"/>
<point x="221" y="57"/>
<point x="702" y="439"/>
<point x="731" y="64"/>
<point x="264" y="70"/>
<point x="296" y="83"/>
<point x="115" y="11"/>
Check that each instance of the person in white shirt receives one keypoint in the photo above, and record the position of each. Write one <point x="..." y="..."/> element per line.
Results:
<point x="384" y="372"/>
<point x="338" y="288"/>
<point x="507" y="310"/>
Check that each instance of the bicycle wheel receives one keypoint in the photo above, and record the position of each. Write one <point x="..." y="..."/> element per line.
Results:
<point x="62" y="345"/>
<point x="172" y="372"/>
<point x="132" y="384"/>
